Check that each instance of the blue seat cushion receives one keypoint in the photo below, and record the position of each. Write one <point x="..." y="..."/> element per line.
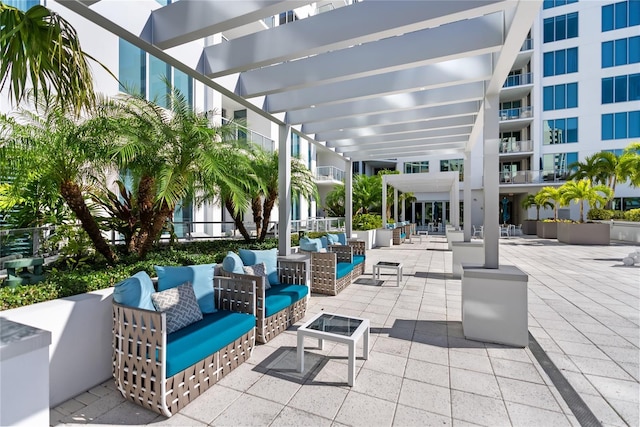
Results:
<point x="324" y="241"/>
<point x="358" y="259"/>
<point x="200" y="276"/>
<point x="269" y="257"/>
<point x="310" y="245"/>
<point x="135" y="291"/>
<point x="403" y="235"/>
<point x="280" y="297"/>
<point x="342" y="269"/>
<point x="342" y="238"/>
<point x="193" y="343"/>
<point x="333" y="239"/>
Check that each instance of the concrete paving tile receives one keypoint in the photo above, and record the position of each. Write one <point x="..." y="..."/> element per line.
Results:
<point x="126" y="413"/>
<point x="611" y="340"/>
<point x="378" y="384"/>
<point x="321" y="400"/>
<point x="291" y="417"/>
<point x="274" y="388"/>
<point x="362" y="410"/>
<point x="478" y="409"/>
<point x="407" y="416"/>
<point x="104" y="389"/>
<point x="210" y="404"/>
<point x="70" y="406"/>
<point x="565" y="335"/>
<point x="473" y="362"/>
<point x="176" y="420"/>
<point x="387" y="363"/>
<point x="461" y="423"/>
<point x="629" y="411"/>
<point x="528" y="416"/>
<point x="475" y="382"/>
<point x="527" y="393"/>
<point x="603" y="411"/>
<point x="249" y="410"/>
<point x="86" y="398"/>
<point x="604" y="368"/>
<point x="516" y="370"/>
<point x="622" y="354"/>
<point x="55" y="417"/>
<point x="579" y="349"/>
<point x="509" y="353"/>
<point x="396" y="347"/>
<point x="612" y="388"/>
<point x="580" y="383"/>
<point x="429" y="353"/>
<point x="431" y="373"/>
<point x="437" y="340"/>
<point x="99" y="407"/>
<point x="244" y="376"/>
<point x="427" y="397"/>
<point x="632" y="369"/>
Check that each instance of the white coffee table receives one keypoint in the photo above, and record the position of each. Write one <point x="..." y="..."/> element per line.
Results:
<point x="397" y="266"/>
<point x="338" y="328"/>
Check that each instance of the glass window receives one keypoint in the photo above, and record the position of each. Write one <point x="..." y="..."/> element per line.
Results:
<point x="572" y="95"/>
<point x="23" y="5"/>
<point x="607" y="127"/>
<point x="561" y="27"/>
<point x="607" y="17"/>
<point x="132" y="68"/>
<point x="634" y="12"/>
<point x="184" y="84"/>
<point x="453" y="165"/>
<point x="634" y="87"/>
<point x="634" y="124"/>
<point x="560" y="97"/>
<point x="549" y="67"/>
<point x="620" y="89"/>
<point x="561" y="61"/>
<point x="621" y="14"/>
<point x="572" y="129"/>
<point x="607" y="54"/>
<point x="621" y="52"/>
<point x="634" y="50"/>
<point x="416" y="167"/>
<point x="572" y="25"/>
<point x="548" y="30"/>
<point x="620" y="125"/>
<point x="159" y="71"/>
<point x="547" y="95"/>
<point x="607" y="90"/>
<point x="572" y="60"/>
<point x="548" y="4"/>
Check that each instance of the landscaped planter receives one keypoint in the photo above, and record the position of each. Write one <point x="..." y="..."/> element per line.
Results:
<point x="547" y="230"/>
<point x="625" y="231"/>
<point x="586" y="233"/>
<point x="369" y="237"/>
<point x="529" y="227"/>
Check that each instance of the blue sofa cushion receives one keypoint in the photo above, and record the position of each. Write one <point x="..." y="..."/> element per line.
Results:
<point x="342" y="269"/>
<point x="310" y="245"/>
<point x="342" y="238"/>
<point x="200" y="276"/>
<point x="280" y="297"/>
<point x="193" y="343"/>
<point x="269" y="257"/>
<point x="358" y="259"/>
<point x="232" y="263"/>
<point x="333" y="239"/>
<point x="324" y="241"/>
<point x="135" y="291"/>
<point x="403" y="235"/>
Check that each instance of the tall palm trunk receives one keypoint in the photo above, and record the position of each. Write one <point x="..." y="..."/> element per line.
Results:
<point x="146" y="194"/>
<point x="237" y="220"/>
<point x="72" y="194"/>
<point x="157" y="224"/>
<point x="269" y="203"/>
<point x="256" y="209"/>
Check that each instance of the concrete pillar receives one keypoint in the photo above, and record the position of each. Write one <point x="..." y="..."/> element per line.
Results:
<point x="384" y="202"/>
<point x="348" y="198"/>
<point x="467" y="197"/>
<point x="423" y="213"/>
<point x="395" y="205"/>
<point x="491" y="136"/>
<point x="284" y="190"/>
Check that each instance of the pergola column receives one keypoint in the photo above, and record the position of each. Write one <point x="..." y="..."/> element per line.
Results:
<point x="384" y="202"/>
<point x="491" y="181"/>
<point x="348" y="197"/>
<point x="395" y="205"/>
<point x="284" y="190"/>
<point x="467" y="197"/>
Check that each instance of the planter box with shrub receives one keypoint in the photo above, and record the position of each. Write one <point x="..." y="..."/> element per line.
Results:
<point x="547" y="230"/>
<point x="586" y="233"/>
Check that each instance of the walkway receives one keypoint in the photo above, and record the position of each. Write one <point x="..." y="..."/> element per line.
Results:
<point x="583" y="311"/>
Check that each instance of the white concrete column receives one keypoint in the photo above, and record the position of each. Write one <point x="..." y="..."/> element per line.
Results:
<point x="491" y="136"/>
<point x="467" y="197"/>
<point x="423" y="213"/>
<point x="348" y="198"/>
<point x="454" y="209"/>
<point x="384" y="202"/>
<point x="413" y="212"/>
<point x="395" y="205"/>
<point x="284" y="190"/>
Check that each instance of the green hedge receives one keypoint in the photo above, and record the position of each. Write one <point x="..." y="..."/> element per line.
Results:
<point x="91" y="276"/>
<point x="632" y="215"/>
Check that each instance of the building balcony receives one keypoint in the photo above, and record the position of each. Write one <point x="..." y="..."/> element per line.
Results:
<point x="329" y="175"/>
<point x="242" y="133"/>
<point x="524" y="56"/>
<point x="533" y="177"/>
<point x="515" y="147"/>
<point x="516" y="87"/>
<point x="514" y="119"/>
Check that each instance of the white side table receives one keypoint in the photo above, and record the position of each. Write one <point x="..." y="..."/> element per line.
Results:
<point x="421" y="233"/>
<point x="341" y="329"/>
<point x="397" y="266"/>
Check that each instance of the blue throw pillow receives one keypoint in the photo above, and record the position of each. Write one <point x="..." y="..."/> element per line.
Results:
<point x="269" y="257"/>
<point x="135" y="291"/>
<point x="310" y="245"/>
<point x="200" y="277"/>
<point x="232" y="263"/>
<point x="332" y="238"/>
<point x="324" y="242"/>
<point x="342" y="238"/>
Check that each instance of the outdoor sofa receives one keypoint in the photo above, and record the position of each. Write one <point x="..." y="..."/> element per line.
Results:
<point x="172" y="345"/>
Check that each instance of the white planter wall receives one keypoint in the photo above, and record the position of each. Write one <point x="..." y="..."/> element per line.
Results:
<point x="625" y="231"/>
<point x="368" y="236"/>
<point x="81" y="337"/>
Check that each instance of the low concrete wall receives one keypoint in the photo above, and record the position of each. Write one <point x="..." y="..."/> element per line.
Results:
<point x="368" y="236"/>
<point x="584" y="233"/>
<point x="80" y="352"/>
<point x="625" y="230"/>
<point x="384" y="237"/>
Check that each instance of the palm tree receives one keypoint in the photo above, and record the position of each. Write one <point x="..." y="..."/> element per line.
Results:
<point x="57" y="147"/>
<point x="40" y="49"/>
<point x="334" y="201"/>
<point x="367" y="194"/>
<point x="629" y="164"/>
<point x="552" y="195"/>
<point x="581" y="191"/>
<point x="589" y="169"/>
<point x="537" y="201"/>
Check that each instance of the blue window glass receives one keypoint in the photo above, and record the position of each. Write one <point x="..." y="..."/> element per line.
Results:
<point x="547" y="96"/>
<point x="561" y="61"/>
<point x="621" y="52"/>
<point x="548" y="4"/>
<point x="23" y="5"/>
<point x="184" y="84"/>
<point x="607" y="17"/>
<point x="607" y="90"/>
<point x="548" y="30"/>
<point x="132" y="68"/>
<point x="561" y="27"/>
<point x="634" y="49"/>
<point x="159" y="71"/>
<point x="607" y="127"/>
<point x="621" y="14"/>
<point x="634" y="12"/>
<point x="634" y="124"/>
<point x="634" y="87"/>
<point x="620" y="125"/>
<point x="560" y="125"/>
<point x="572" y="25"/>
<point x="572" y="129"/>
<point x="620" y="89"/>
<point x="572" y="60"/>
<point x="572" y="95"/>
<point x="548" y="64"/>
<point x="560" y="97"/>
<point x="607" y="54"/>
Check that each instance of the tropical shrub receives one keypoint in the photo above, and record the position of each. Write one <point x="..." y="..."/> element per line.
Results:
<point x="367" y="221"/>
<point x="600" y="214"/>
<point x="632" y="215"/>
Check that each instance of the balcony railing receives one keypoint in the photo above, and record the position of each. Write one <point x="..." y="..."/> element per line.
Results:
<point x="329" y="173"/>
<point x="518" y="80"/>
<point x="243" y="133"/>
<point x="508" y="147"/>
<point x="516" y="113"/>
<point x="533" y="177"/>
<point x="527" y="45"/>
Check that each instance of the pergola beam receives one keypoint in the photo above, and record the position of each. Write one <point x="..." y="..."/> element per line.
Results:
<point x="422" y="135"/>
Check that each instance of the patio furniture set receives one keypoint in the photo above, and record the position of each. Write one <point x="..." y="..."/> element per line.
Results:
<point x="177" y="337"/>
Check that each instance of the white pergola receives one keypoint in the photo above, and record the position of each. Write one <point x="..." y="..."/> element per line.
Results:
<point x="376" y="79"/>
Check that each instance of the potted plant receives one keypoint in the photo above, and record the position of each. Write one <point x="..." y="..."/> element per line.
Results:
<point x="584" y="233"/>
<point x="529" y="225"/>
<point x="548" y="197"/>
<point x="365" y="225"/>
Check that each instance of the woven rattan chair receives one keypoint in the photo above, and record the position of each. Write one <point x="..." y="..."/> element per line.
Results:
<point x="359" y="248"/>
<point x="140" y="352"/>
<point x="399" y="235"/>
<point x="326" y="266"/>
<point x="290" y="272"/>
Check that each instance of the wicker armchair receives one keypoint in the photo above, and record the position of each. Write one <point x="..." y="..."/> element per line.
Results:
<point x="359" y="249"/>
<point x="327" y="266"/>
<point x="399" y="235"/>
<point x="141" y="346"/>
<point x="290" y="272"/>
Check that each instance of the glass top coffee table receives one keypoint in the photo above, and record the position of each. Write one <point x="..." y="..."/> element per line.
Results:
<point x="397" y="266"/>
<point x="341" y="329"/>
